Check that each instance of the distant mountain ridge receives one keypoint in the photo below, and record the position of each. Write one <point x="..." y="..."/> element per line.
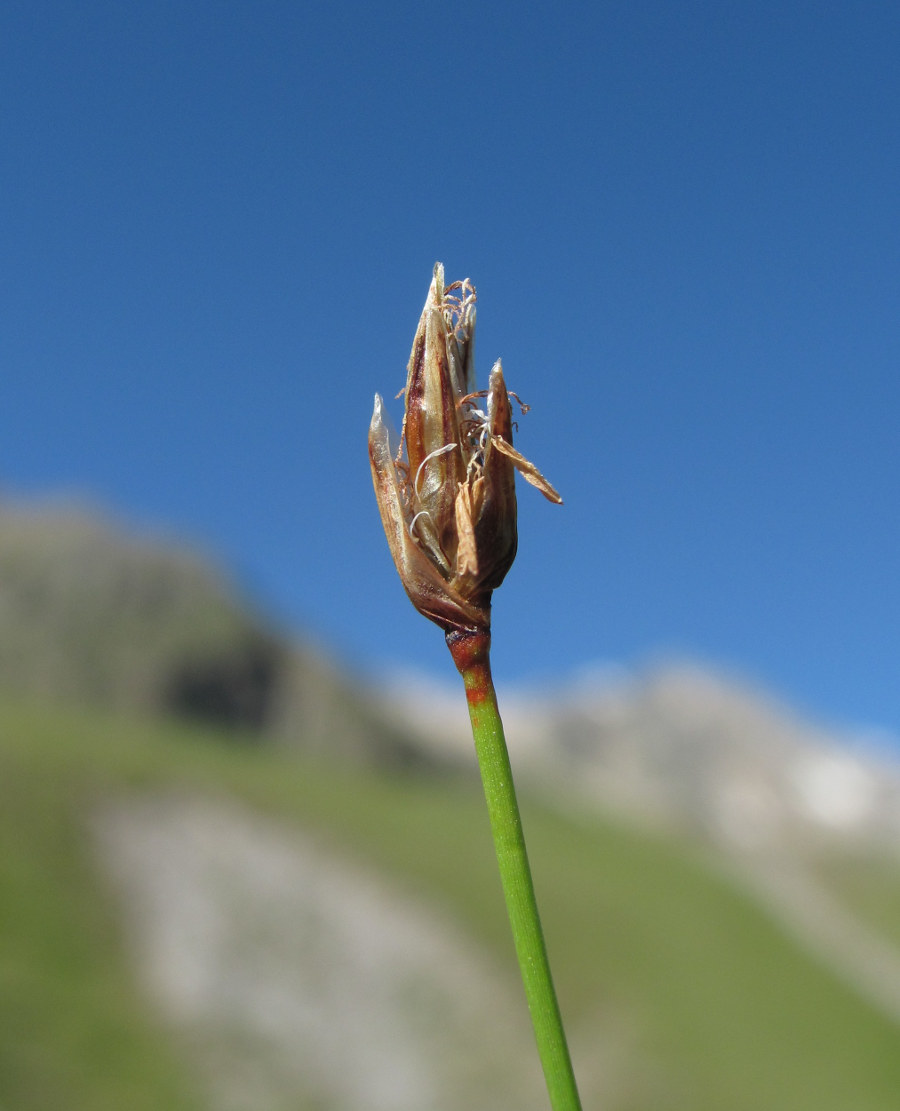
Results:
<point x="90" y="613"/>
<point x="681" y="743"/>
<point x="93" y="613"/>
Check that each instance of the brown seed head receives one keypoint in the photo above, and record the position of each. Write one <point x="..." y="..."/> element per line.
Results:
<point x="449" y="507"/>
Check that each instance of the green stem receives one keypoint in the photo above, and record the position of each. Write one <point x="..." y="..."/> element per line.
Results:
<point x="471" y="654"/>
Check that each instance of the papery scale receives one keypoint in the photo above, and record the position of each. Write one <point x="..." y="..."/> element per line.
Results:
<point x="450" y="512"/>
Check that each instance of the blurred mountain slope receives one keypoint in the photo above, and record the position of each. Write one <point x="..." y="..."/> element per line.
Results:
<point x="683" y="745"/>
<point x="153" y="851"/>
<point x="90" y="614"/>
<point x="94" y="614"/>
<point x="680" y="991"/>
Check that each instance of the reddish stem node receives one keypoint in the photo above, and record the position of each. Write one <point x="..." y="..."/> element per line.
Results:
<point x="471" y="654"/>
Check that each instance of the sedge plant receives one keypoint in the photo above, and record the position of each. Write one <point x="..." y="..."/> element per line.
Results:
<point x="447" y="497"/>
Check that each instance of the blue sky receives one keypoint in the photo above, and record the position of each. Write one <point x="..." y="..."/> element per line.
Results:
<point x="219" y="223"/>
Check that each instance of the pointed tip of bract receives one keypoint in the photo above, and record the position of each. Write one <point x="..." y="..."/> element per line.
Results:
<point x="436" y="292"/>
<point x="499" y="395"/>
<point x="381" y="426"/>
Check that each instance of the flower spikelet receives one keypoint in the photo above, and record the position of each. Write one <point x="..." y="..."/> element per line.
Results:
<point x="446" y="493"/>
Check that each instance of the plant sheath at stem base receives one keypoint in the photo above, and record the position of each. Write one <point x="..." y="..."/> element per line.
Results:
<point x="471" y="654"/>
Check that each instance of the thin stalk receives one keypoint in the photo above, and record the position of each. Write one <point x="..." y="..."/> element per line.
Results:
<point x="471" y="654"/>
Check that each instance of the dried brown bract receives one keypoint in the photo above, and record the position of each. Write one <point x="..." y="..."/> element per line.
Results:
<point x="449" y="506"/>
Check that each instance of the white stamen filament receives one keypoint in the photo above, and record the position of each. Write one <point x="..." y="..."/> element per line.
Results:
<point x="431" y="455"/>
<point x="412" y="523"/>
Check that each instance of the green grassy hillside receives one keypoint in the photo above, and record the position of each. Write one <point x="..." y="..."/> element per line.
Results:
<point x="869" y="884"/>
<point x="722" y="1011"/>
